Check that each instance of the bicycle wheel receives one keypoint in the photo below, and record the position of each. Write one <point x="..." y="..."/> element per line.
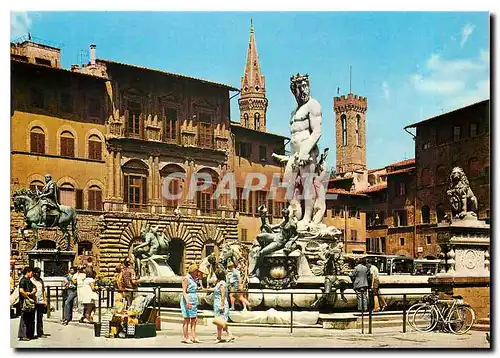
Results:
<point x="425" y="318"/>
<point x="461" y="319"/>
<point x="411" y="312"/>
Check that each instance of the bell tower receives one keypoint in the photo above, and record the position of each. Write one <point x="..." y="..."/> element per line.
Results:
<point x="350" y="128"/>
<point x="253" y="101"/>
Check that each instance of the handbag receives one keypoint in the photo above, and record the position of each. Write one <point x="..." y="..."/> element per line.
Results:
<point x="220" y="322"/>
<point x="28" y="305"/>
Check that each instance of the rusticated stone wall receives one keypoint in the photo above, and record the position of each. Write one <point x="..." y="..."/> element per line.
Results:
<point x="120" y="230"/>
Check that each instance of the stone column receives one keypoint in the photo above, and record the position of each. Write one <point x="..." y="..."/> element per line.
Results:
<point x="156" y="175"/>
<point x="111" y="181"/>
<point x="150" y="179"/>
<point x="118" y="175"/>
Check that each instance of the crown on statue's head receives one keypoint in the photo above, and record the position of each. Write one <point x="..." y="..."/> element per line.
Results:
<point x="299" y="78"/>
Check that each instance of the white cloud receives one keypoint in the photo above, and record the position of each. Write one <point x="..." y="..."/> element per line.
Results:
<point x="453" y="83"/>
<point x="386" y="90"/>
<point x="436" y="86"/>
<point x="466" y="32"/>
<point x="448" y="77"/>
<point x="479" y="92"/>
<point x="20" y="24"/>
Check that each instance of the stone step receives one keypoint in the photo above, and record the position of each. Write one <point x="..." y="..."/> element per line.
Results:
<point x="481" y="327"/>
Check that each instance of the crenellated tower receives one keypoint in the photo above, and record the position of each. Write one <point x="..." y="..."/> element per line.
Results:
<point x="350" y="128"/>
<point x="253" y="101"/>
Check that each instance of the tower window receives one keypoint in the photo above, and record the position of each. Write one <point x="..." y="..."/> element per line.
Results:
<point x="256" y="121"/>
<point x="358" y="137"/>
<point x="343" y="118"/>
<point x="245" y="120"/>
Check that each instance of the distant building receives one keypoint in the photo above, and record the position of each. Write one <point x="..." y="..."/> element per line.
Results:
<point x="457" y="138"/>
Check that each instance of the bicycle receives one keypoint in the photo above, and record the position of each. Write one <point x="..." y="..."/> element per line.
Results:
<point x="410" y="312"/>
<point x="458" y="318"/>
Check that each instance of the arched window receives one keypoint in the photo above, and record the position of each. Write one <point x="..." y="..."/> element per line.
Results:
<point x="426" y="177"/>
<point x="358" y="123"/>
<point x="256" y="117"/>
<point x="95" y="198"/>
<point x="95" y="147"/>
<point x="204" y="198"/>
<point x="135" y="184"/>
<point x="343" y="119"/>
<point x="245" y="118"/>
<point x="474" y="168"/>
<point x="67" y="144"/>
<point x="172" y="178"/>
<point x="441" y="174"/>
<point x="67" y="195"/>
<point x="37" y="140"/>
<point x="440" y="212"/>
<point x="426" y="214"/>
<point x="36" y="184"/>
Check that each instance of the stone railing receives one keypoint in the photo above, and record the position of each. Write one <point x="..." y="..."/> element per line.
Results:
<point x="223" y="213"/>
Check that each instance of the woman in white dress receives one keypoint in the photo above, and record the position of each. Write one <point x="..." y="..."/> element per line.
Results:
<point x="88" y="297"/>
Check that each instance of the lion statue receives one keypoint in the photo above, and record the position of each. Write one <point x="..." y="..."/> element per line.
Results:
<point x="462" y="199"/>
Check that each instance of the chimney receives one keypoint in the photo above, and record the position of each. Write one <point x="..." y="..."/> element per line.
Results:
<point x="92" y="54"/>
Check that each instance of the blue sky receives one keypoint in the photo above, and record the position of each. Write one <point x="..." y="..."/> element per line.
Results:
<point x="410" y="65"/>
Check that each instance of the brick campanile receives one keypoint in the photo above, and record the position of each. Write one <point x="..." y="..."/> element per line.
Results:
<point x="253" y="101"/>
<point x="350" y="132"/>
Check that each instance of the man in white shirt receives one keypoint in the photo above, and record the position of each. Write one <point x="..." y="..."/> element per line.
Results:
<point x="40" y="301"/>
<point x="378" y="299"/>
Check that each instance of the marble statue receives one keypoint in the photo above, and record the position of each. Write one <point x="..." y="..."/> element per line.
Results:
<point x="302" y="166"/>
<point x="462" y="199"/>
<point x="154" y="250"/>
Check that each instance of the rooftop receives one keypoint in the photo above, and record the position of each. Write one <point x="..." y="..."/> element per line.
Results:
<point x="49" y="68"/>
<point x="231" y="88"/>
<point x="402" y="163"/>
<point x="344" y="192"/>
<point x="400" y="171"/>
<point x="447" y="113"/>
<point x="373" y="188"/>
<point x="238" y="125"/>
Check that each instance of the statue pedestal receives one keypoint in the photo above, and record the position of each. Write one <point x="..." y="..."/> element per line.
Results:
<point x="465" y="263"/>
<point x="464" y="248"/>
<point x="156" y="266"/>
<point x="55" y="264"/>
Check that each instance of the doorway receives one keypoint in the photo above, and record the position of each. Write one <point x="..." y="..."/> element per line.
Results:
<point x="176" y="259"/>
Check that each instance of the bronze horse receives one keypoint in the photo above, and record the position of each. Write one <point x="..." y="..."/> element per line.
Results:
<point x="28" y="203"/>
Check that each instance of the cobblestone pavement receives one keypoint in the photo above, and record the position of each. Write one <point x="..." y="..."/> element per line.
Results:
<point x="77" y="335"/>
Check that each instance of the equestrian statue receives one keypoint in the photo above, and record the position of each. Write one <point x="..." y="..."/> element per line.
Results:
<point x="42" y="210"/>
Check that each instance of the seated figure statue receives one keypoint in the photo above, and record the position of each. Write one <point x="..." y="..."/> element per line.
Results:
<point x="276" y="236"/>
<point x="154" y="248"/>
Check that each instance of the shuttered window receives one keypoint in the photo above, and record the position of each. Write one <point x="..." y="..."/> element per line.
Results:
<point x="95" y="148"/>
<point x="67" y="144"/>
<point x="205" y="131"/>
<point x="135" y="192"/>
<point x="95" y="198"/>
<point x="37" y="140"/>
<point x="67" y="195"/>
